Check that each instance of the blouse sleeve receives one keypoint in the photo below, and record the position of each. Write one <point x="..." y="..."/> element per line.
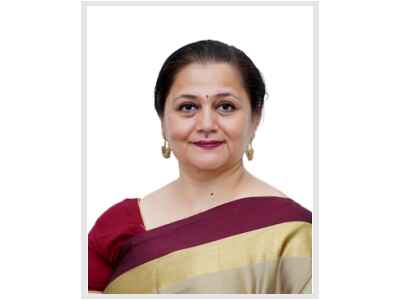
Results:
<point x="111" y="230"/>
<point x="99" y="268"/>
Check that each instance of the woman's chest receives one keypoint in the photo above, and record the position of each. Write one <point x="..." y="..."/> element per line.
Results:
<point x="233" y="265"/>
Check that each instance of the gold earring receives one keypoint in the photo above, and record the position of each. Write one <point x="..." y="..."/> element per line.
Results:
<point x="250" y="152"/>
<point x="166" y="150"/>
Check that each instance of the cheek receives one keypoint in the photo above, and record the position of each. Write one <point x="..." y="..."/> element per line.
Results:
<point x="178" y="129"/>
<point x="236" y="130"/>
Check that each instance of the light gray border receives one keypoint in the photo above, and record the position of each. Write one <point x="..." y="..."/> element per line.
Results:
<point x="199" y="3"/>
<point x="315" y="216"/>
<point x="84" y="259"/>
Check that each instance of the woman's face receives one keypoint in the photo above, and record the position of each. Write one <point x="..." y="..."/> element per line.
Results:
<point x="207" y="102"/>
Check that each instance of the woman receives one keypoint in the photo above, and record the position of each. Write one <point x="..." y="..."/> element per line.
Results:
<point x="217" y="228"/>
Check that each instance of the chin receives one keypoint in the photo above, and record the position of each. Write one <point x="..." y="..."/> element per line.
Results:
<point x="207" y="164"/>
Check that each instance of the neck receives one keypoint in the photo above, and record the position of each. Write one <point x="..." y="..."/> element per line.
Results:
<point x="199" y="190"/>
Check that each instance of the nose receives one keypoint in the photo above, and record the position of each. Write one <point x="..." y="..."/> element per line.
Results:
<point x="206" y="122"/>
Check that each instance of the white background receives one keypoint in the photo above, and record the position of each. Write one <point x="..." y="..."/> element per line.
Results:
<point x="124" y="56"/>
<point x="40" y="149"/>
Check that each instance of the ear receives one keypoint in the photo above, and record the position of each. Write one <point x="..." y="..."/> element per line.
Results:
<point x="162" y="133"/>
<point x="162" y="130"/>
<point x="255" y="122"/>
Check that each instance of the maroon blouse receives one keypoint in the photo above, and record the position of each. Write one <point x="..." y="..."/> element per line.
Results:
<point x="117" y="224"/>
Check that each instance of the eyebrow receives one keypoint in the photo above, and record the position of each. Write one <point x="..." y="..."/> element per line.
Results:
<point x="194" y="97"/>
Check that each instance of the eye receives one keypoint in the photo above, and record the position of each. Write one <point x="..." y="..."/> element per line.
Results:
<point x="187" y="107"/>
<point x="226" y="107"/>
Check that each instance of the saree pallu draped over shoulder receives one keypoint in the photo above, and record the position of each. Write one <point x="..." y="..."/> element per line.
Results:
<point x="250" y="245"/>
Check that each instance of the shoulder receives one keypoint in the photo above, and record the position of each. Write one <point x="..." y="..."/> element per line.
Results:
<point x="279" y="202"/>
<point x="111" y="230"/>
<point x="292" y="210"/>
<point x="257" y="186"/>
<point x="123" y="210"/>
<point x="155" y="200"/>
<point x="159" y="193"/>
<point x="120" y="221"/>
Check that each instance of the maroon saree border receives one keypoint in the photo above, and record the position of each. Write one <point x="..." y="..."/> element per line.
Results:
<point x="235" y="217"/>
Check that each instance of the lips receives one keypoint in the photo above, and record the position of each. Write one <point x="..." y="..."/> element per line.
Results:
<point x="204" y="143"/>
<point x="208" y="144"/>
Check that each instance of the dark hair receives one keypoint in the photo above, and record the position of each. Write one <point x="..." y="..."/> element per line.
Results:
<point x="204" y="52"/>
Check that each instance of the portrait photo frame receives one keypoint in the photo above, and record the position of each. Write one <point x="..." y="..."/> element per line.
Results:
<point x="124" y="44"/>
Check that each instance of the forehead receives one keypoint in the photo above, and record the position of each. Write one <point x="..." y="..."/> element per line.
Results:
<point x="207" y="78"/>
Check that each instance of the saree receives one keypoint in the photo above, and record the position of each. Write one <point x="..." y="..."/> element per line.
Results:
<point x="249" y="245"/>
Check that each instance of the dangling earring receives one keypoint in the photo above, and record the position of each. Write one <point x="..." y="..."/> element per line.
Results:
<point x="250" y="152"/>
<point x="166" y="150"/>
